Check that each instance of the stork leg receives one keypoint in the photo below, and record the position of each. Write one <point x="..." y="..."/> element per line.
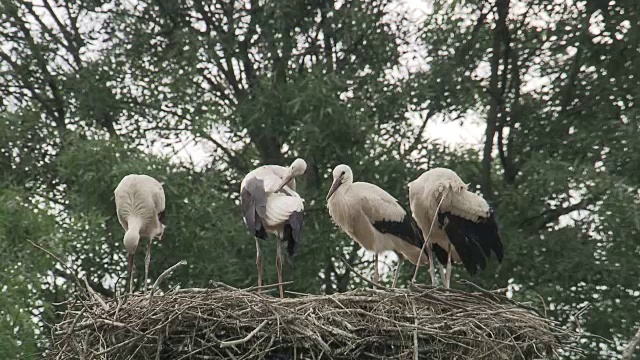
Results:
<point x="130" y="259"/>
<point x="395" y="277"/>
<point x="448" y="278"/>
<point x="279" y="266"/>
<point x="427" y="244"/>
<point x="147" y="261"/>
<point x="432" y="270"/>
<point x="376" y="275"/>
<point x="259" y="265"/>
<point x="443" y="277"/>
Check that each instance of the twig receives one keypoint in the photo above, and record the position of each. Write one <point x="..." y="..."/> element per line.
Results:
<point x="427" y="243"/>
<point x="96" y="296"/>
<point x="631" y="346"/>
<point x="162" y="276"/>
<point x="245" y="339"/>
<point x="362" y="276"/>
<point x="61" y="263"/>
<point x="415" y="333"/>
<point x="504" y="298"/>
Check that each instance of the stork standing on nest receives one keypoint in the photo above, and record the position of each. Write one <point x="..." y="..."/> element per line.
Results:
<point x="466" y="226"/>
<point x="270" y="204"/>
<point x="140" y="206"/>
<point x="374" y="219"/>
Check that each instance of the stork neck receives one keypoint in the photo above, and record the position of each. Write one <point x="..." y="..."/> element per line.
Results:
<point x="132" y="236"/>
<point x="342" y="189"/>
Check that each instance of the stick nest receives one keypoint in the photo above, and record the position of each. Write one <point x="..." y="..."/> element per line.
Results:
<point x="228" y="323"/>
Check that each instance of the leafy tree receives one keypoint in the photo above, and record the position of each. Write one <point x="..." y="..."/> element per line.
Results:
<point x="562" y="177"/>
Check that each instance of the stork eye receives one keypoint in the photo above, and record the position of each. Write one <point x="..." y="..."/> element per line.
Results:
<point x="342" y="173"/>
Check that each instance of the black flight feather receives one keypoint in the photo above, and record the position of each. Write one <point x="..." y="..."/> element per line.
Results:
<point x="408" y="230"/>
<point x="293" y="231"/>
<point x="487" y="230"/>
<point x="161" y="217"/>
<point x="473" y="241"/>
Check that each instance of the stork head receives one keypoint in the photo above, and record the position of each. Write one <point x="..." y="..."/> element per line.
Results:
<point x="341" y="174"/>
<point x="297" y="168"/>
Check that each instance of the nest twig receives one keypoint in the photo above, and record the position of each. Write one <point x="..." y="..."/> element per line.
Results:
<point x="228" y="323"/>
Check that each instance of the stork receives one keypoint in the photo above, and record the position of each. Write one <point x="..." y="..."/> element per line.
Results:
<point x="466" y="226"/>
<point x="270" y="204"/>
<point x="140" y="205"/>
<point x="374" y="219"/>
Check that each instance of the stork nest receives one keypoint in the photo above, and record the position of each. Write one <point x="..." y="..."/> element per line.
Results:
<point x="228" y="323"/>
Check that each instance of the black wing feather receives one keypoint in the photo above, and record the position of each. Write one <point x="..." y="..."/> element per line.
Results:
<point x="161" y="217"/>
<point x="402" y="229"/>
<point x="409" y="231"/>
<point x="487" y="230"/>
<point x="293" y="231"/>
<point x="473" y="241"/>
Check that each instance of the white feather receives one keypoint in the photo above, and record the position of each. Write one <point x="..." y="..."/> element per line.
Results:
<point x="142" y="197"/>
<point x="279" y="205"/>
<point x="426" y="192"/>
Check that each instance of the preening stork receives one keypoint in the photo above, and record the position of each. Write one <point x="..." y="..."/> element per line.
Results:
<point x="466" y="226"/>
<point x="270" y="204"/>
<point x="374" y="219"/>
<point x="140" y="207"/>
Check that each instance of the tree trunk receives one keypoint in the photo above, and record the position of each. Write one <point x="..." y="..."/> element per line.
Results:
<point x="495" y="98"/>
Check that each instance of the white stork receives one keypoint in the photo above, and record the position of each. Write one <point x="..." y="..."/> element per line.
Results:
<point x="466" y="227"/>
<point x="140" y="207"/>
<point x="374" y="219"/>
<point x="270" y="204"/>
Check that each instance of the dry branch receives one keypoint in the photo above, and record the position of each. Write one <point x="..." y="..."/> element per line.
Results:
<point x="225" y="323"/>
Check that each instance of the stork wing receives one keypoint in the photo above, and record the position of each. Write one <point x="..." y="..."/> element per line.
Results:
<point x="280" y="207"/>
<point x="272" y="175"/>
<point x="293" y="231"/>
<point x="254" y="206"/>
<point x="377" y="204"/>
<point x="159" y="202"/>
<point x="469" y="214"/>
<point x="386" y="214"/>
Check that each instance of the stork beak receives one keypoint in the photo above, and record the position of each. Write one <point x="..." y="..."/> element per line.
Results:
<point x="284" y="182"/>
<point x="336" y="184"/>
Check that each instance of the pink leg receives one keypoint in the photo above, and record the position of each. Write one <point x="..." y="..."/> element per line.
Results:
<point x="376" y="275"/>
<point x="448" y="276"/>
<point x="147" y="261"/>
<point x="279" y="266"/>
<point x="130" y="258"/>
<point x="395" y="277"/>
<point x="259" y="265"/>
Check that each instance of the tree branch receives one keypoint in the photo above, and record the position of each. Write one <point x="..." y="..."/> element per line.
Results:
<point x="631" y="347"/>
<point x="418" y="137"/>
<point x="551" y="215"/>
<point x="495" y="99"/>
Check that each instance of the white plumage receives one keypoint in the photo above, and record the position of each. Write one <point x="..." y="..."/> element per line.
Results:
<point x="270" y="204"/>
<point x="373" y="218"/>
<point x="140" y="205"/>
<point x="463" y="224"/>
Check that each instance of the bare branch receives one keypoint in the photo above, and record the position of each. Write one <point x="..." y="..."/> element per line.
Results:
<point x="631" y="346"/>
